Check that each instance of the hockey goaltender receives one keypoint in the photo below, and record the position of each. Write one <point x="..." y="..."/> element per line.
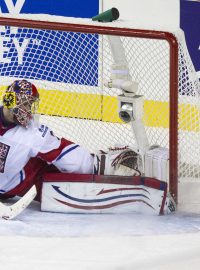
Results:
<point x="67" y="177"/>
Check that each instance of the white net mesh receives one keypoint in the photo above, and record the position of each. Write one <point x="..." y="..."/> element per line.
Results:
<point x="69" y="70"/>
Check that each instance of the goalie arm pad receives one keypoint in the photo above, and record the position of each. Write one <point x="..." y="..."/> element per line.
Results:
<point x="118" y="161"/>
<point x="74" y="159"/>
<point x="66" y="155"/>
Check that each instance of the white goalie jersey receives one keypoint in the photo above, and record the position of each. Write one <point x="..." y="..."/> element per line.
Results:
<point x="18" y="145"/>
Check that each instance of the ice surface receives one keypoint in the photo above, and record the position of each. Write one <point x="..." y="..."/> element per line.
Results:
<point x="39" y="240"/>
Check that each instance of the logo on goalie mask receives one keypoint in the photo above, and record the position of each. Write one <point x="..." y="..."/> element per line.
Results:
<point x="22" y="98"/>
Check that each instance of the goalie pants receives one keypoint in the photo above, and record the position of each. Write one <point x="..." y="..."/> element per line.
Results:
<point x="34" y="170"/>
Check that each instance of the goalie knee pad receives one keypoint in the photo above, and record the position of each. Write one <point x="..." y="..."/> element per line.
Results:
<point x="118" y="161"/>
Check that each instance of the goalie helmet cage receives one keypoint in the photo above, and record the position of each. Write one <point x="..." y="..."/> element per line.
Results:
<point x="69" y="63"/>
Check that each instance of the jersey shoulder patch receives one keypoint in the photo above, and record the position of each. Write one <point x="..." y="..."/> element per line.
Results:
<point x="43" y="130"/>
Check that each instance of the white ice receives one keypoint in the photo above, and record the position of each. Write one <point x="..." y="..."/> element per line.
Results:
<point x="47" y="241"/>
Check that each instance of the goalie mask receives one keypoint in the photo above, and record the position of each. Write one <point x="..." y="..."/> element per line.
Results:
<point x="22" y="98"/>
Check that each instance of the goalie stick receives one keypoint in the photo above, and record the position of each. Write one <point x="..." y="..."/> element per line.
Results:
<point x="11" y="211"/>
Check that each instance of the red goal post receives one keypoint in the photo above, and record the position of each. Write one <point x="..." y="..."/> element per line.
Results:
<point x="117" y="29"/>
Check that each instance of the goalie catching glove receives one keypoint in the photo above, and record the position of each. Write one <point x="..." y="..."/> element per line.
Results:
<point x="118" y="161"/>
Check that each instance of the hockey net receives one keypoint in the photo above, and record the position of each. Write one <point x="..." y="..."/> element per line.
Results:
<point x="70" y="62"/>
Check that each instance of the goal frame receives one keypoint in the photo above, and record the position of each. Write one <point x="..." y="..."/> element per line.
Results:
<point x="138" y="33"/>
